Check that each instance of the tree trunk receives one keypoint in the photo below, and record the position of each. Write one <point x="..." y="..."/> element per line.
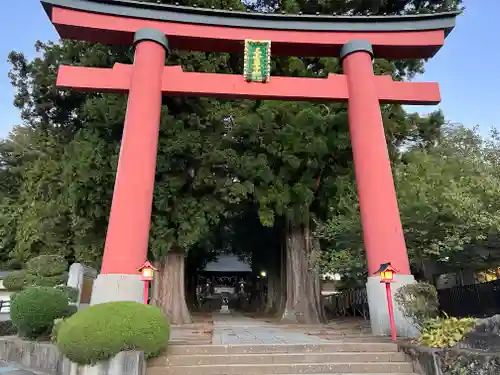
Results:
<point x="281" y="294"/>
<point x="276" y="286"/>
<point x="168" y="288"/>
<point x="303" y="294"/>
<point x="272" y="285"/>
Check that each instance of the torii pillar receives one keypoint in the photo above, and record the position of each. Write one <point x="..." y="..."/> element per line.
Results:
<point x="382" y="230"/>
<point x="127" y="237"/>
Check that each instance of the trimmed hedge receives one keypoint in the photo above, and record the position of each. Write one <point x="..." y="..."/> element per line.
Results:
<point x="43" y="270"/>
<point x="34" y="309"/>
<point x="47" y="265"/>
<point x="70" y="292"/>
<point x="15" y="280"/>
<point x="102" y="331"/>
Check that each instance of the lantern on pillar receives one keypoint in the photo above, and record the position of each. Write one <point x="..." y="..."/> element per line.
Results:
<point x="387" y="272"/>
<point x="147" y="272"/>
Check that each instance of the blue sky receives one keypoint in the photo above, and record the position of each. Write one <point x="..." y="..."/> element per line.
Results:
<point x="467" y="67"/>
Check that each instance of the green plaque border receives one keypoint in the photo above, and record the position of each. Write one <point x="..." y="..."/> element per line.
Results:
<point x="246" y="72"/>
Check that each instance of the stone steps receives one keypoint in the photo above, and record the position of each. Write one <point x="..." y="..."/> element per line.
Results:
<point x="333" y="347"/>
<point x="296" y="368"/>
<point x="281" y="358"/>
<point x="336" y="358"/>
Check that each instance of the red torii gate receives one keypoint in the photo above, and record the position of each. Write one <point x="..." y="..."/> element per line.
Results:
<point x="153" y="27"/>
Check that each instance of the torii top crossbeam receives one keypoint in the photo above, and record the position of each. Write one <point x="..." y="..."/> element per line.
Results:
<point x="199" y="29"/>
<point x="189" y="28"/>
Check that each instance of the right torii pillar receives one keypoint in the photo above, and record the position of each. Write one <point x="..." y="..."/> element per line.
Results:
<point x="382" y="230"/>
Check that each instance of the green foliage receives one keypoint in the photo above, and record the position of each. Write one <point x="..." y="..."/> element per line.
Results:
<point x="43" y="270"/>
<point x="448" y="196"/>
<point x="47" y="265"/>
<point x="72" y="309"/>
<point x="418" y="302"/>
<point x="34" y="309"/>
<point x="15" y="281"/>
<point x="447" y="193"/>
<point x="70" y="292"/>
<point x="7" y="328"/>
<point x="445" y="332"/>
<point x="55" y="329"/>
<point x="102" y="331"/>
<point x="35" y="280"/>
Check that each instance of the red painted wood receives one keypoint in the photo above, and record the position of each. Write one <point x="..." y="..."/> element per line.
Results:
<point x="382" y="230"/>
<point x="390" y="307"/>
<point x="129" y="220"/>
<point x="80" y="25"/>
<point x="177" y="82"/>
<point x="146" y="292"/>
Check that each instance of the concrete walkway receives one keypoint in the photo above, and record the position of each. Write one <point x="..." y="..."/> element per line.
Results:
<point x="8" y="369"/>
<point x="237" y="329"/>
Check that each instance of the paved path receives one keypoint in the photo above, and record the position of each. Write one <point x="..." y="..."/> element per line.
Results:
<point x="234" y="329"/>
<point x="9" y="369"/>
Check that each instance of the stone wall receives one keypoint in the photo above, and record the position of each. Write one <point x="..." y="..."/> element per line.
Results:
<point x="456" y="361"/>
<point x="46" y="358"/>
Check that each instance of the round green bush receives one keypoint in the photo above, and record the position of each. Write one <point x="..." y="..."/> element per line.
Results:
<point x="47" y="265"/>
<point x="35" y="280"/>
<point x="34" y="309"/>
<point x="104" y="330"/>
<point x="15" y="280"/>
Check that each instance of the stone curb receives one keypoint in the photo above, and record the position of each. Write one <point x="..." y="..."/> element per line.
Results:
<point x="46" y="358"/>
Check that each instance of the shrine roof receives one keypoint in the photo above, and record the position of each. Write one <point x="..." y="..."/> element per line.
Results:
<point x="276" y="21"/>
<point x="227" y="263"/>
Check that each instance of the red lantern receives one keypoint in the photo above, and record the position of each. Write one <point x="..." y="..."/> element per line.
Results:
<point x="147" y="271"/>
<point x="387" y="272"/>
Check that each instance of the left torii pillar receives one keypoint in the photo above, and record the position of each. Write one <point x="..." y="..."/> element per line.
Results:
<point x="130" y="217"/>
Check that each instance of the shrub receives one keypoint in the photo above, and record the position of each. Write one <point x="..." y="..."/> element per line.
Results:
<point x="55" y="329"/>
<point x="47" y="265"/>
<point x="104" y="330"/>
<point x="43" y="270"/>
<point x="72" y="309"/>
<point x="15" y="280"/>
<point x="418" y="302"/>
<point x="70" y="292"/>
<point x="7" y="328"/>
<point x="33" y="310"/>
<point x="35" y="280"/>
<point x="445" y="332"/>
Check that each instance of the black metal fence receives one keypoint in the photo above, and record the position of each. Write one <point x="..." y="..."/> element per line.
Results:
<point x="477" y="300"/>
<point x="352" y="302"/>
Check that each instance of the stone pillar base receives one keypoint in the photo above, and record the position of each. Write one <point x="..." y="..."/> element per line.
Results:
<point x="377" y="303"/>
<point x="225" y="310"/>
<point x="112" y="287"/>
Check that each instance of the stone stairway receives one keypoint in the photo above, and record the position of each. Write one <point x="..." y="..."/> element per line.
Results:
<point x="381" y="358"/>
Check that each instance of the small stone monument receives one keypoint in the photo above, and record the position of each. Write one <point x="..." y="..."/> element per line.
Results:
<point x="82" y="277"/>
<point x="224" y="309"/>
